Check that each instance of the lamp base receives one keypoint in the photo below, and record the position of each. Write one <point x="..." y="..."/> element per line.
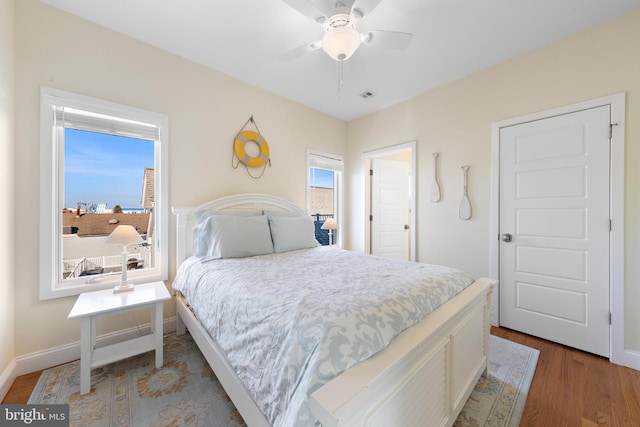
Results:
<point x="123" y="287"/>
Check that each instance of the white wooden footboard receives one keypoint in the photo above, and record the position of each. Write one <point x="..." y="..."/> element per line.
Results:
<point x="425" y="375"/>
<point x="423" y="378"/>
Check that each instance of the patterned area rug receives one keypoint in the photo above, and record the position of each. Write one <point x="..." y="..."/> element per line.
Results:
<point x="498" y="399"/>
<point x="185" y="392"/>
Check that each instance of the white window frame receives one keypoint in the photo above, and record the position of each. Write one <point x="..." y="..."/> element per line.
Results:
<point x="52" y="185"/>
<point x="332" y="162"/>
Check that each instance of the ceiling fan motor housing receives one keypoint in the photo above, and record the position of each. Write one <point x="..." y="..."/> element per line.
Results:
<point x="340" y="20"/>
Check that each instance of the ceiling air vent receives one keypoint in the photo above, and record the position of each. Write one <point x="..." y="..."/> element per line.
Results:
<point x="367" y="94"/>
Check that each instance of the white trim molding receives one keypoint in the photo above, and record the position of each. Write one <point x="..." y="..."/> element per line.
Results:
<point x="336" y="164"/>
<point x="52" y="284"/>
<point x="618" y="353"/>
<point x="6" y="378"/>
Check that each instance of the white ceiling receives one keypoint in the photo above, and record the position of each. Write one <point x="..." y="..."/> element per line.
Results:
<point x="245" y="38"/>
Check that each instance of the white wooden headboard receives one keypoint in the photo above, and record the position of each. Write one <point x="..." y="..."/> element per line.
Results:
<point x="245" y="202"/>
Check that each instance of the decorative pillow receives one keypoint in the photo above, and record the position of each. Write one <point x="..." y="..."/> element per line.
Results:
<point x="233" y="236"/>
<point x="292" y="233"/>
<point x="201" y="229"/>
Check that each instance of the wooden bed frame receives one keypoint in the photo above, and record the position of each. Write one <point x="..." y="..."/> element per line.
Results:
<point x="424" y="377"/>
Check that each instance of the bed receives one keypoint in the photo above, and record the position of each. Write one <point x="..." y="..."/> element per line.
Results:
<point x="418" y="376"/>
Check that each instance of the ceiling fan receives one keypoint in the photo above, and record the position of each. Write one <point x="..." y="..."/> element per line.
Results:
<point x="342" y="38"/>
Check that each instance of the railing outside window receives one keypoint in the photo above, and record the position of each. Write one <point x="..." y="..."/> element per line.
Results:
<point x="322" y="236"/>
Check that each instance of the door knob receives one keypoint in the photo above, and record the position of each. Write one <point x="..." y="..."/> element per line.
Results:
<point x="406" y="226"/>
<point x="506" y="237"/>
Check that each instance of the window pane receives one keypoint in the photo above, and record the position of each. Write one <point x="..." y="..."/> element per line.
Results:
<point x="106" y="178"/>
<point x="322" y="199"/>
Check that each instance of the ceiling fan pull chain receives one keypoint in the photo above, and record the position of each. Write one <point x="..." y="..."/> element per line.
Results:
<point x="340" y="78"/>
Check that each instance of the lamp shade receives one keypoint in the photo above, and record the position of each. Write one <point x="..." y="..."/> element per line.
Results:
<point x="124" y="235"/>
<point x="330" y="224"/>
<point x="341" y="42"/>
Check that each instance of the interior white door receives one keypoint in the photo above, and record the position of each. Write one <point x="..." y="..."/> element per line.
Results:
<point x="555" y="227"/>
<point x="390" y="208"/>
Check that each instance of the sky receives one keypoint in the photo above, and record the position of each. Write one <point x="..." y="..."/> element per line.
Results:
<point x="102" y="168"/>
<point x="320" y="178"/>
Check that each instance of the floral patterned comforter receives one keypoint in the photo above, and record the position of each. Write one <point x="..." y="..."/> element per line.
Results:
<point x="290" y="322"/>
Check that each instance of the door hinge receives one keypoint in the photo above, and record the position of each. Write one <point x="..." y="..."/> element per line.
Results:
<point x="370" y="217"/>
<point x="370" y="172"/>
<point x="609" y="317"/>
<point x="611" y="125"/>
<point x="610" y="225"/>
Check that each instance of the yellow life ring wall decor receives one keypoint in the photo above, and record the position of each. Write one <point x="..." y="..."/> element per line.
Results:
<point x="244" y="137"/>
<point x="249" y="136"/>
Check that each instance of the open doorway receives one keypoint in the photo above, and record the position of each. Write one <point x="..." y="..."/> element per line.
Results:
<point x="390" y="202"/>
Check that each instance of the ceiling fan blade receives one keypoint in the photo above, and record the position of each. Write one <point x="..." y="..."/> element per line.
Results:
<point x="308" y="9"/>
<point x="365" y="7"/>
<point x="300" y="51"/>
<point x="387" y="39"/>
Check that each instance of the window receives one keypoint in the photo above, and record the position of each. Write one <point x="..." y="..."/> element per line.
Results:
<point x="324" y="193"/>
<point x="102" y="165"/>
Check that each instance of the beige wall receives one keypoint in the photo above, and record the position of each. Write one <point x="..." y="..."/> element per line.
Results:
<point x="456" y="119"/>
<point x="205" y="108"/>
<point x="6" y="186"/>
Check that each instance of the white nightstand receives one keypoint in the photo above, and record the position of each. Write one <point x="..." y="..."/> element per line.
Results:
<point x="92" y="305"/>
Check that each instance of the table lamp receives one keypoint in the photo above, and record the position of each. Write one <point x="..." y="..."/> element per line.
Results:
<point x="124" y="235"/>
<point x="330" y="224"/>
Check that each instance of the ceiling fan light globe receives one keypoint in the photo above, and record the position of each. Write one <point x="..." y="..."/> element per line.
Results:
<point x="341" y="42"/>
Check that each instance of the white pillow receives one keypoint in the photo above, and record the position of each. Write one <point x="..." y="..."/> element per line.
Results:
<point x="233" y="236"/>
<point x="201" y="231"/>
<point x="292" y="233"/>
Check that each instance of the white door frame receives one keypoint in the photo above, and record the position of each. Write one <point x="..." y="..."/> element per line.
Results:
<point x="366" y="157"/>
<point x="619" y="354"/>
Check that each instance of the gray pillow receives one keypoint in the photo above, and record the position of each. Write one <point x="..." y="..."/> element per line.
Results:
<point x="233" y="236"/>
<point x="292" y="233"/>
<point x="201" y="230"/>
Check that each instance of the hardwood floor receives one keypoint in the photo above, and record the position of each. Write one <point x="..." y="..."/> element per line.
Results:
<point x="570" y="388"/>
<point x="21" y="388"/>
<point x="573" y="388"/>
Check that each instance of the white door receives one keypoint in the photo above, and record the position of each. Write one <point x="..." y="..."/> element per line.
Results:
<point x="554" y="229"/>
<point x="390" y="208"/>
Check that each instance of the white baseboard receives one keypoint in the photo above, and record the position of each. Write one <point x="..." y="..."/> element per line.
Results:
<point x="66" y="353"/>
<point x="630" y="359"/>
<point x="6" y="378"/>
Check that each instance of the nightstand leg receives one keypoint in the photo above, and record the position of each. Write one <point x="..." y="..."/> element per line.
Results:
<point x="87" y="332"/>
<point x="156" y="321"/>
<point x="93" y="332"/>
